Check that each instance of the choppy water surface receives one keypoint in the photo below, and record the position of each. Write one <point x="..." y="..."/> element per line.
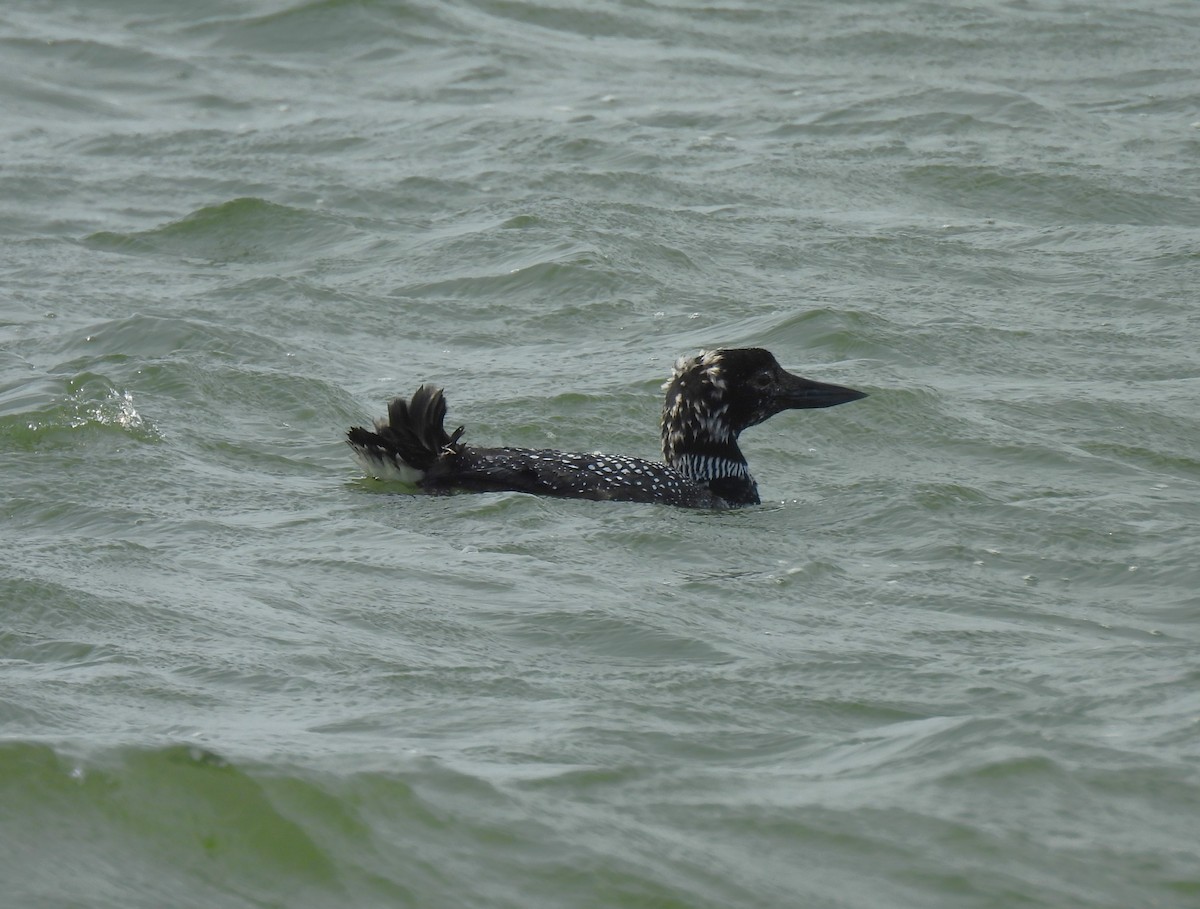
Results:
<point x="951" y="662"/>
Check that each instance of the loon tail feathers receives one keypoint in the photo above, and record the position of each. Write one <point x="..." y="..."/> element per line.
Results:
<point x="410" y="441"/>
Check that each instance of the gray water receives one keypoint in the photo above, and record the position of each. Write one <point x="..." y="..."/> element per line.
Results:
<point x="951" y="661"/>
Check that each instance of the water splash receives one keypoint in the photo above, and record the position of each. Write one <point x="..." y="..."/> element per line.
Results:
<point x="118" y="410"/>
<point x="42" y="409"/>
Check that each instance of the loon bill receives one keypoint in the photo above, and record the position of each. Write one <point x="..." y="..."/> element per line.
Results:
<point x="710" y="399"/>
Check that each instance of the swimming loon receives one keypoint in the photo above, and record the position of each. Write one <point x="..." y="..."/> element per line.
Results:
<point x="710" y="399"/>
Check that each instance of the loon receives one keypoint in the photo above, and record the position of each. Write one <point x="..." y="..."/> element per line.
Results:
<point x="710" y="399"/>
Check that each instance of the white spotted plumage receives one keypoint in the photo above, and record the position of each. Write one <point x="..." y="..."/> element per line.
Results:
<point x="710" y="398"/>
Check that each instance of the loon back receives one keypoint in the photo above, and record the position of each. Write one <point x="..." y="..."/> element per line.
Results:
<point x="710" y="399"/>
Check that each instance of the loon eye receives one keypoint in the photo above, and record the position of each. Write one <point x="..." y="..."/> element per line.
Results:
<point x="762" y="380"/>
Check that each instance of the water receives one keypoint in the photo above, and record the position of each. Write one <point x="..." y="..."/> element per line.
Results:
<point x="951" y="662"/>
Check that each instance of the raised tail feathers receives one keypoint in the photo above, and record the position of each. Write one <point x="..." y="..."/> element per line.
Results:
<point x="405" y="445"/>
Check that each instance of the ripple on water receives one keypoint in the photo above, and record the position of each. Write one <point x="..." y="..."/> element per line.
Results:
<point x="240" y="230"/>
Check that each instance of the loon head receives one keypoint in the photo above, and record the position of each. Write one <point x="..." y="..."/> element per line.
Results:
<point x="713" y="396"/>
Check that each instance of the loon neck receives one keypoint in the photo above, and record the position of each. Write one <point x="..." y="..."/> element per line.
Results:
<point x="721" y="468"/>
<point x="704" y="466"/>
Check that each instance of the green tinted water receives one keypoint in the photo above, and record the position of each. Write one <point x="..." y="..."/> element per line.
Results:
<point x="950" y="662"/>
